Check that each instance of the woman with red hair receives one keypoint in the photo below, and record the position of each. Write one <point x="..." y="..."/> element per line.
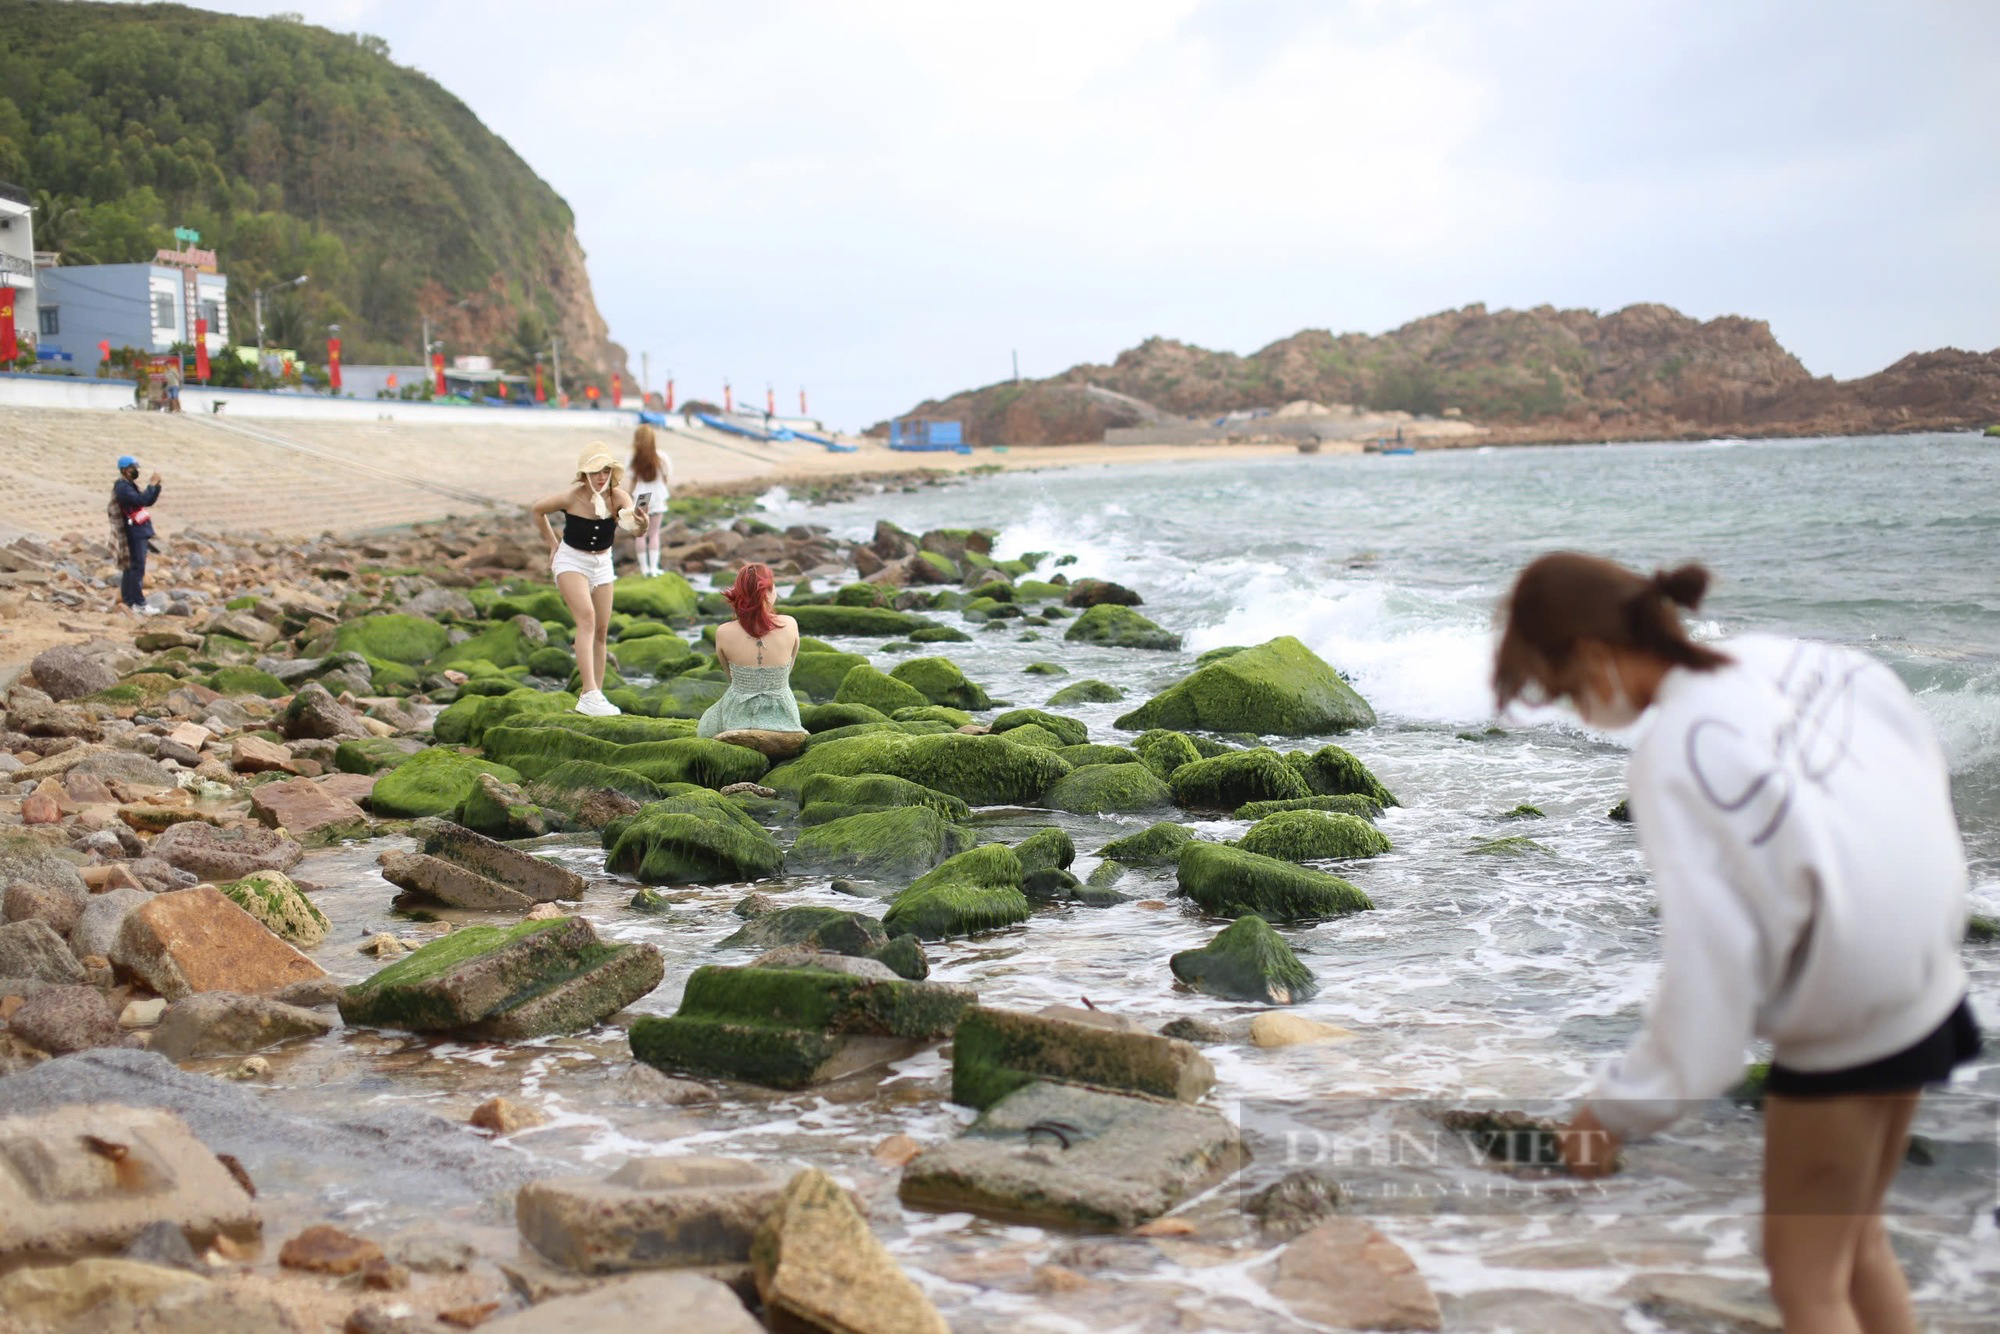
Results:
<point x="757" y="650"/>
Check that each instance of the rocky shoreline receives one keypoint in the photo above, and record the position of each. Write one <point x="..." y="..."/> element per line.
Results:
<point x="166" y="984"/>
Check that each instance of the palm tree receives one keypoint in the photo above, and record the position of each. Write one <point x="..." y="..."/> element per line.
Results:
<point x="530" y="339"/>
<point x="61" y="225"/>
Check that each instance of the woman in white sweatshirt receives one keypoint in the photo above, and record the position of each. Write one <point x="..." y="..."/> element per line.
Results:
<point x="1795" y="809"/>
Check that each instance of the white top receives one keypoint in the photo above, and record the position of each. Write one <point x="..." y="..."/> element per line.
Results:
<point x="1795" y="809"/>
<point x="653" y="495"/>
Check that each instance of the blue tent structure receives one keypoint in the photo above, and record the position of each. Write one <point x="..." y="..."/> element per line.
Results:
<point x="928" y="437"/>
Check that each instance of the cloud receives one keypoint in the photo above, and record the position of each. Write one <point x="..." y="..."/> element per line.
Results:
<point x="883" y="199"/>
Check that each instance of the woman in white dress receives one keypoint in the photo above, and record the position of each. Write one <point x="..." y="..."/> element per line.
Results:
<point x="651" y="475"/>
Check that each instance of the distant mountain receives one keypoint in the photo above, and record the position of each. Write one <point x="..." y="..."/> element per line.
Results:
<point x="1544" y="374"/>
<point x="291" y="149"/>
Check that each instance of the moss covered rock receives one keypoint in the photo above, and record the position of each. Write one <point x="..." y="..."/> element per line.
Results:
<point x="885" y="845"/>
<point x="240" y="680"/>
<point x="373" y="754"/>
<point x="940" y="681"/>
<point x="1032" y="734"/>
<point x="1068" y="731"/>
<point x="504" y="644"/>
<point x="872" y="622"/>
<point x="1228" y="882"/>
<point x="1247" y="961"/>
<point x="1087" y="691"/>
<point x="653" y="655"/>
<point x="1119" y="627"/>
<point x="1163" y="751"/>
<point x="1155" y="845"/>
<point x="691" y="837"/>
<point x="939" y="634"/>
<point x="705" y="762"/>
<point x="1081" y="757"/>
<point x="865" y="685"/>
<point x="1049" y="847"/>
<point x="541" y="603"/>
<point x="272" y="898"/>
<point x="819" y="674"/>
<point x="557" y="786"/>
<point x="1277" y="689"/>
<point x="1310" y="836"/>
<point x="394" y="637"/>
<point x="1228" y="781"/>
<point x="432" y="782"/>
<point x="1332" y="772"/>
<point x="831" y="930"/>
<point x="659" y="597"/>
<point x="974" y="892"/>
<point x="934" y="713"/>
<point x="687" y="696"/>
<point x="875" y="792"/>
<point x="555" y="663"/>
<point x="979" y="770"/>
<point x="1348" y="804"/>
<point x="1100" y="789"/>
<point x="1045" y="669"/>
<point x="995" y="1052"/>
<point x="826" y="717"/>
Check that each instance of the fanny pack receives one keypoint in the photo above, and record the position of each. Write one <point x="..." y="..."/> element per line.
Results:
<point x="138" y="516"/>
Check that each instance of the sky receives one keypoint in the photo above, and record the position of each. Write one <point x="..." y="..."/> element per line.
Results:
<point x="883" y="201"/>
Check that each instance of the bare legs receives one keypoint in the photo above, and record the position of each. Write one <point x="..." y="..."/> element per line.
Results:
<point x="1828" y="1163"/>
<point x="647" y="547"/>
<point x="592" y="609"/>
<point x="600" y="600"/>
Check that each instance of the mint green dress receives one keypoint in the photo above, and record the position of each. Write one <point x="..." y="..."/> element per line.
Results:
<point x="758" y="698"/>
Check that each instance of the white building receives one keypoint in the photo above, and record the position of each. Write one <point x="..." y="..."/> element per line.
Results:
<point x="17" y="260"/>
<point x="150" y="307"/>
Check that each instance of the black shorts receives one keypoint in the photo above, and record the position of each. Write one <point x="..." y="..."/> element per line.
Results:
<point x="1929" y="1060"/>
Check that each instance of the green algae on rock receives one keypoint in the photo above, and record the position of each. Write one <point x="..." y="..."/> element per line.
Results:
<point x="876" y="791"/>
<point x="940" y="634"/>
<point x="941" y="681"/>
<point x="432" y="782"/>
<point x="1119" y="627"/>
<point x="1163" y="751"/>
<point x="792" y="1027"/>
<point x="1310" y="836"/>
<point x="1226" y="881"/>
<point x="1090" y="690"/>
<point x="1276" y="689"/>
<point x="995" y="1052"/>
<point x="934" y="713"/>
<point x="874" y="622"/>
<point x="832" y="930"/>
<point x="535" y="751"/>
<point x="241" y="680"/>
<point x="979" y="770"/>
<point x="652" y="655"/>
<point x="1051" y="847"/>
<point x="974" y="892"/>
<point x="661" y="597"/>
<point x="1068" y="731"/>
<point x="1348" y="803"/>
<point x="465" y="721"/>
<point x="514" y="982"/>
<point x="1101" y="789"/>
<point x="272" y="898"/>
<point x="1225" y="782"/>
<point x="826" y="717"/>
<point x="1247" y="961"/>
<point x="502" y="643"/>
<point x="879" y="691"/>
<point x="1082" y="757"/>
<point x="393" y="637"/>
<point x="820" y="674"/>
<point x="888" y="844"/>
<point x="1155" y="845"/>
<point x="692" y="836"/>
<point x="373" y="754"/>
<point x="1332" y="772"/>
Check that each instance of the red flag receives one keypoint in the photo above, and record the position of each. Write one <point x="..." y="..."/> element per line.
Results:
<point x="437" y="373"/>
<point x="540" y="395"/>
<point x="770" y="401"/>
<point x="617" y="390"/>
<point x="728" y="397"/>
<point x="802" y="401"/>
<point x="201" y="350"/>
<point x="104" y="349"/>
<point x="590" y="392"/>
<point x="333" y="363"/>
<point x="392" y="379"/>
<point x="9" y="348"/>
<point x="503" y="388"/>
<point x="670" y="393"/>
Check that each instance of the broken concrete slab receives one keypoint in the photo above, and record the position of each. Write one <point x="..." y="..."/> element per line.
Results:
<point x="305" y="809"/>
<point x="191" y="940"/>
<point x="652" y="1213"/>
<point x="648" y="1301"/>
<point x="1068" y="1156"/>
<point x="819" y="1267"/>
<point x="448" y="883"/>
<point x="998" y="1051"/>
<point x="541" y="880"/>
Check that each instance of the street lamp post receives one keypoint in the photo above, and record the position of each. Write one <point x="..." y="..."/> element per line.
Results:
<point x="299" y="281"/>
<point x="555" y="353"/>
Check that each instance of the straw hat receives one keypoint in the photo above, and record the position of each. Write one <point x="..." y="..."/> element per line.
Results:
<point x="594" y="456"/>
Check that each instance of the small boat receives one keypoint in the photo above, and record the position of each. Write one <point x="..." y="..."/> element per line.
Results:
<point x="1309" y="446"/>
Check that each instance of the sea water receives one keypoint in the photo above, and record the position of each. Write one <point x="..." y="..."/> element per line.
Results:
<point x="1481" y="975"/>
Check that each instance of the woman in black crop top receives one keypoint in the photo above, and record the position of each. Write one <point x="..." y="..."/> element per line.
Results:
<point x="593" y="509"/>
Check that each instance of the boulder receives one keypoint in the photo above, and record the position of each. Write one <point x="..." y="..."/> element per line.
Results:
<point x="1331" y="771"/>
<point x="63" y="1019"/>
<point x="691" y="837"/>
<point x="542" y="880"/>
<point x="1155" y="845"/>
<point x="940" y="681"/>
<point x="1229" y="882"/>
<point x="272" y="898"/>
<point x="1087" y="691"/>
<point x="1346" y="1275"/>
<point x="1068" y="1156"/>
<point x="1095" y="592"/>
<point x="886" y="844"/>
<point x="1224" y="782"/>
<point x="432" y="782"/>
<point x="64" y="1196"/>
<point x="1067" y="731"/>
<point x="25" y="859"/>
<point x="1044" y="849"/>
<point x="503" y="810"/>
<point x="844" y="796"/>
<point x="973" y="892"/>
<point x="1102" y="789"/>
<point x="1361" y="807"/>
<point x="1119" y="627"/>
<point x="305" y="809"/>
<point x="820" y="675"/>
<point x="794" y="1027"/>
<point x="1275" y="1029"/>
<point x="864" y="622"/>
<point x="314" y="714"/>
<point x="995" y="1052"/>
<point x="1276" y="689"/>
<point x="203" y="850"/>
<point x="502" y="983"/>
<point x="1163" y="751"/>
<point x="819" y="1267"/>
<point x="96" y="930"/>
<point x="373" y="754"/>
<point x="696" y="1302"/>
<point x="68" y="672"/>
<point x="252" y="754"/>
<point x="125" y="767"/>
<point x="826" y="717"/>
<point x="978" y="770"/>
<point x="1247" y="961"/>
<point x="829" y="929"/>
<point x="194" y="940"/>
<point x="1310" y="836"/>
<point x="31" y="949"/>
<point x="885" y="694"/>
<point x="652" y="1213"/>
<point x="223" y="1023"/>
<point x="60" y="905"/>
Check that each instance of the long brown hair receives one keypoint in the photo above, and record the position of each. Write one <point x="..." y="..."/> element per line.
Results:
<point x="753" y="581"/>
<point x="645" y="455"/>
<point x="1565" y="597"/>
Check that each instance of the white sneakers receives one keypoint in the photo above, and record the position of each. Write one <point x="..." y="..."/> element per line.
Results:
<point x="593" y="703"/>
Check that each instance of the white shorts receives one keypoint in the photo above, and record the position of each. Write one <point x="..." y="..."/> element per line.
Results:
<point x="594" y="566"/>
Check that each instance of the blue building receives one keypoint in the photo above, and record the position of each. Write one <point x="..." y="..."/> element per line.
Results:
<point x="150" y="307"/>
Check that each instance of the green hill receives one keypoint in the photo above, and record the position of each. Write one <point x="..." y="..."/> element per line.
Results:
<point x="291" y="149"/>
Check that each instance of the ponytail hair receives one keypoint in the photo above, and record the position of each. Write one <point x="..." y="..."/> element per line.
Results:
<point x="746" y="596"/>
<point x="1565" y="598"/>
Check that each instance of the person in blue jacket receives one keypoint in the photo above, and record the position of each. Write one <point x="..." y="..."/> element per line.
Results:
<point x="135" y="504"/>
